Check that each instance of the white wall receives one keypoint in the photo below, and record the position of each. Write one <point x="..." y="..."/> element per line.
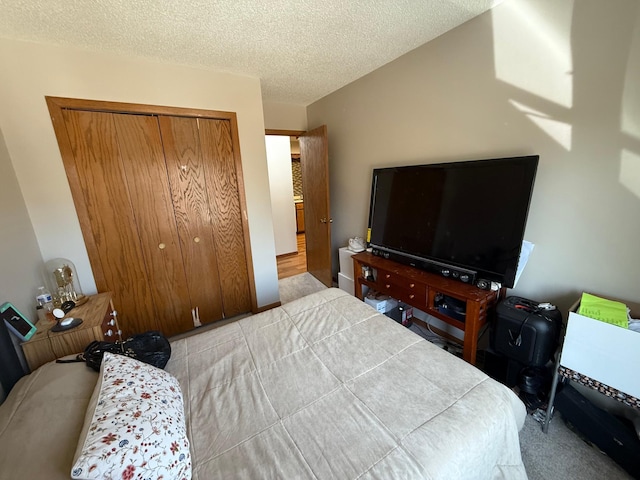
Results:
<point x="20" y="259"/>
<point x="558" y="78"/>
<point x="281" y="183"/>
<point x="30" y="71"/>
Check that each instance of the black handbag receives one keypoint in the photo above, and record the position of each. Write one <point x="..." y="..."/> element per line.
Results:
<point x="150" y="347"/>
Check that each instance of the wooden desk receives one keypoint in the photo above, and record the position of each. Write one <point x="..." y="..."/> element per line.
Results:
<point x="98" y="323"/>
<point x="420" y="290"/>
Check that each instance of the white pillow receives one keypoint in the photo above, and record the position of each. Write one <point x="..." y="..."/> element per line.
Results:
<point x="137" y="428"/>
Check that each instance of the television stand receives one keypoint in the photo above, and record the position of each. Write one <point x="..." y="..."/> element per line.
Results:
<point x="421" y="290"/>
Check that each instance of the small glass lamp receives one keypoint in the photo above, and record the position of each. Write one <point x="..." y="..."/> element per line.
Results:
<point x="62" y="280"/>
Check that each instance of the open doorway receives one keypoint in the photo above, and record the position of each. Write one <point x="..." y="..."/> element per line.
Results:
<point x="314" y="163"/>
<point x="287" y="202"/>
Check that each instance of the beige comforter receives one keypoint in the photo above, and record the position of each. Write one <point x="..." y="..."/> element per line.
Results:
<point x="323" y="387"/>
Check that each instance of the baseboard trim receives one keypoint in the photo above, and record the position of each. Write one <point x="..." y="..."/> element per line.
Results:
<point x="267" y="307"/>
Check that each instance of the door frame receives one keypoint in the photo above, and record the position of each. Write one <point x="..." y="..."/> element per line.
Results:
<point x="299" y="133"/>
<point x="56" y="105"/>
<point x="286" y="133"/>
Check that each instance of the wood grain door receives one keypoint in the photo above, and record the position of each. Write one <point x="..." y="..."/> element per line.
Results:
<point x="188" y="183"/>
<point x="314" y="161"/>
<point x="223" y="173"/>
<point x="149" y="194"/>
<point x="101" y="196"/>
<point x="160" y="200"/>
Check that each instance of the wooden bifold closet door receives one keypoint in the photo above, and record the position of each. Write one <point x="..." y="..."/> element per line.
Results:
<point x="160" y="202"/>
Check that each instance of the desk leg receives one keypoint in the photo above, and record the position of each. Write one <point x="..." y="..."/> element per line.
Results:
<point x="471" y="331"/>
<point x="552" y="396"/>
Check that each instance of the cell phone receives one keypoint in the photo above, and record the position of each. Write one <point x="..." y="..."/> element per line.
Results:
<point x="17" y="322"/>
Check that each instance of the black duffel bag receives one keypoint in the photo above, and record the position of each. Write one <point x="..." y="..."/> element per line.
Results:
<point x="149" y="347"/>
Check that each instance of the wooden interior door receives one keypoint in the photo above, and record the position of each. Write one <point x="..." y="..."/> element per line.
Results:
<point x="314" y="162"/>
<point x="188" y="184"/>
<point x="229" y="221"/>
<point x="160" y="200"/>
<point x="145" y="169"/>
<point x="96" y="170"/>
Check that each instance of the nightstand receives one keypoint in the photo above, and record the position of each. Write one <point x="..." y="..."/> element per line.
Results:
<point x="99" y="322"/>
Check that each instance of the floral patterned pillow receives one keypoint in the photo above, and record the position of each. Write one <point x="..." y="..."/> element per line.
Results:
<point x="137" y="429"/>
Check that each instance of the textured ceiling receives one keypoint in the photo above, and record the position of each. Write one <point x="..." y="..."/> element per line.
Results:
<point x="301" y="50"/>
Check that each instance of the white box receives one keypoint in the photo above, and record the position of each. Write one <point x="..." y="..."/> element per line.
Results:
<point x="604" y="352"/>
<point x="345" y="283"/>
<point x="346" y="263"/>
<point x="382" y="303"/>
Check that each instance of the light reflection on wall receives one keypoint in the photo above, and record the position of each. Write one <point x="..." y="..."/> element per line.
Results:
<point x="533" y="49"/>
<point x="630" y="160"/>
<point x="630" y="171"/>
<point x="559" y="131"/>
<point x="631" y="94"/>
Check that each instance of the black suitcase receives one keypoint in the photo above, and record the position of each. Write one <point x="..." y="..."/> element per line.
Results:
<point x="525" y="332"/>
<point x="609" y="434"/>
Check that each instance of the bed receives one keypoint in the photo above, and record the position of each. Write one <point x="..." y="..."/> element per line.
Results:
<point x="321" y="387"/>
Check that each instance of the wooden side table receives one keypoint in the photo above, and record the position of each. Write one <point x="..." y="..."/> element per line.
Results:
<point x="420" y="290"/>
<point x="99" y="322"/>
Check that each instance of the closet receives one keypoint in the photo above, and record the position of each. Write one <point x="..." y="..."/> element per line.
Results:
<point x="160" y="200"/>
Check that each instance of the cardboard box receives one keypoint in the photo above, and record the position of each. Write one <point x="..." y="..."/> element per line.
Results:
<point x="382" y="303"/>
<point x="604" y="352"/>
<point x="345" y="283"/>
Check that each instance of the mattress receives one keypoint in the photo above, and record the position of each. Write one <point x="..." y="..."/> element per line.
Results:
<point x="322" y="387"/>
<point x="325" y="387"/>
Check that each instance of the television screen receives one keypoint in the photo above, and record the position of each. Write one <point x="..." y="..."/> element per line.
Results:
<point x="469" y="215"/>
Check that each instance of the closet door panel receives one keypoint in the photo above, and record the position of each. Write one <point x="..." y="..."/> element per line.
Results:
<point x="146" y="173"/>
<point x="222" y="189"/>
<point x="100" y="173"/>
<point x="187" y="180"/>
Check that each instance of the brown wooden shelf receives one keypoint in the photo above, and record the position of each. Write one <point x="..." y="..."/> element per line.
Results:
<point x="419" y="289"/>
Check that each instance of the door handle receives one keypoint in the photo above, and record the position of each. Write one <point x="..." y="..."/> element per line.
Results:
<point x="324" y="220"/>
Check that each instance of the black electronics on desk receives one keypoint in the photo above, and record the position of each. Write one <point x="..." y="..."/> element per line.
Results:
<point x="462" y="220"/>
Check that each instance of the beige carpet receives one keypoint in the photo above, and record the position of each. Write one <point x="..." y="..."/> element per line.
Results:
<point x="562" y="454"/>
<point x="298" y="286"/>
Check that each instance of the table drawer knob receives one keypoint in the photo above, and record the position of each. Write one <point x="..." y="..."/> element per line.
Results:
<point x="412" y="285"/>
<point x="387" y="286"/>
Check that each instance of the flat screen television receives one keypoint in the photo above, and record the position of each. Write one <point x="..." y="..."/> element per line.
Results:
<point x="464" y="219"/>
